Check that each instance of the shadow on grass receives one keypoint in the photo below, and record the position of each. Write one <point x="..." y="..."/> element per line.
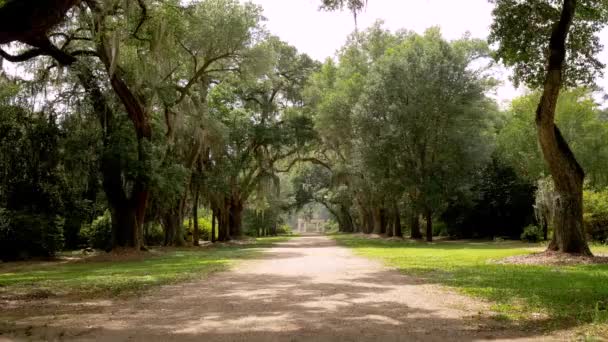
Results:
<point x="565" y="295"/>
<point x="267" y="307"/>
<point x="99" y="278"/>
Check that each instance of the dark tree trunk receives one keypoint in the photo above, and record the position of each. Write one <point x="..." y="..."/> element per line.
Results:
<point x="195" y="231"/>
<point x="274" y="229"/>
<point x="346" y="220"/>
<point x="415" y="225"/>
<point x="236" y="218"/>
<point x="223" y="221"/>
<point x="170" y="223"/>
<point x="383" y="221"/>
<point x="545" y="230"/>
<point x="213" y="218"/>
<point x="397" y="222"/>
<point x="377" y="221"/>
<point x="124" y="227"/>
<point x="568" y="176"/>
<point x="429" y="225"/>
<point x="221" y="226"/>
<point x="390" y="225"/>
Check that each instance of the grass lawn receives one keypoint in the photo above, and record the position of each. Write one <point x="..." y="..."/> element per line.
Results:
<point x="103" y="278"/>
<point x="547" y="296"/>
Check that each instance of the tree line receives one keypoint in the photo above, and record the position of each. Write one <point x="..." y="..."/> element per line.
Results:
<point x="155" y="110"/>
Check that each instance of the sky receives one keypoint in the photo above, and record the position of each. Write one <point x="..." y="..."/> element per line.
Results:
<point x="321" y="34"/>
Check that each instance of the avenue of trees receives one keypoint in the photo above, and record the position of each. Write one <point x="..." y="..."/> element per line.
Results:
<point x="134" y="122"/>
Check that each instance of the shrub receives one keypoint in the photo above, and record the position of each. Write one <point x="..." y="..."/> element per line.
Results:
<point x="99" y="233"/>
<point x="595" y="216"/>
<point x="440" y="229"/>
<point x="532" y="234"/>
<point x="155" y="236"/>
<point x="284" y="230"/>
<point x="331" y="227"/>
<point x="24" y="234"/>
<point x="204" y="228"/>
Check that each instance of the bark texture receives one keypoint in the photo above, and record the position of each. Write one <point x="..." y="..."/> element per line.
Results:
<point x="567" y="174"/>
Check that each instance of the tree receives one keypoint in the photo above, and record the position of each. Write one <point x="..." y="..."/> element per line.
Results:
<point x="550" y="45"/>
<point x="583" y="128"/>
<point x="422" y="119"/>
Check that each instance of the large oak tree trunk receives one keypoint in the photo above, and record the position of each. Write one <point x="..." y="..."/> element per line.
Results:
<point x="213" y="219"/>
<point x="124" y="227"/>
<point x="397" y="222"/>
<point x="377" y="221"/>
<point x="567" y="174"/>
<point x="236" y="218"/>
<point x="383" y="221"/>
<point x="428" y="216"/>
<point x="415" y="225"/>
<point x="346" y="220"/>
<point x="390" y="225"/>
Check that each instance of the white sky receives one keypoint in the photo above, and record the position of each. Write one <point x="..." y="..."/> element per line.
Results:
<point x="320" y="34"/>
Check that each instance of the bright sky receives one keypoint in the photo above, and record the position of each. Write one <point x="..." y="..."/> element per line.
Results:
<point x="320" y="34"/>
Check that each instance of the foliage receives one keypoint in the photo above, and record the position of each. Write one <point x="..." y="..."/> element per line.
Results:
<point x="284" y="229"/>
<point x="153" y="234"/>
<point x="580" y="121"/>
<point x="99" y="233"/>
<point x="204" y="227"/>
<point x="595" y="215"/>
<point x="523" y="30"/>
<point x="24" y="235"/>
<point x="331" y="227"/>
<point x="532" y="234"/>
<point x="498" y="203"/>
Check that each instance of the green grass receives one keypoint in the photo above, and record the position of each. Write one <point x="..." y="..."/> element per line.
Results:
<point x="550" y="296"/>
<point x="91" y="279"/>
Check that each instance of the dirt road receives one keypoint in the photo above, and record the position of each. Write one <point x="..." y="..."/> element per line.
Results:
<point x="307" y="289"/>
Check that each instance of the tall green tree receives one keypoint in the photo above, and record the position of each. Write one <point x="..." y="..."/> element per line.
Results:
<point x="422" y="120"/>
<point x="552" y="44"/>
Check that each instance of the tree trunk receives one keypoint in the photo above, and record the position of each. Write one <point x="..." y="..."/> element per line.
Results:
<point x="195" y="232"/>
<point x="415" y="225"/>
<point x="390" y="225"/>
<point x="397" y="222"/>
<point x="429" y="226"/>
<point x="545" y="230"/>
<point x="124" y="227"/>
<point x="377" y="221"/>
<point x="568" y="176"/>
<point x="171" y="221"/>
<point x="346" y="221"/>
<point x="236" y="218"/>
<point x="383" y="221"/>
<point x="221" y="226"/>
<point x="213" y="217"/>
<point x="223" y="221"/>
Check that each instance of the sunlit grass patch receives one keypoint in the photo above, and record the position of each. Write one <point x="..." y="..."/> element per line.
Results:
<point x="565" y="295"/>
<point x="87" y="279"/>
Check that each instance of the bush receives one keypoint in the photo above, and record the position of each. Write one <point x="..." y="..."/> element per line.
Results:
<point x="99" y="233"/>
<point x="532" y="234"/>
<point x="284" y="230"/>
<point x="331" y="227"/>
<point x="24" y="235"/>
<point x="440" y="229"/>
<point x="595" y="216"/>
<point x="155" y="236"/>
<point x="204" y="228"/>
